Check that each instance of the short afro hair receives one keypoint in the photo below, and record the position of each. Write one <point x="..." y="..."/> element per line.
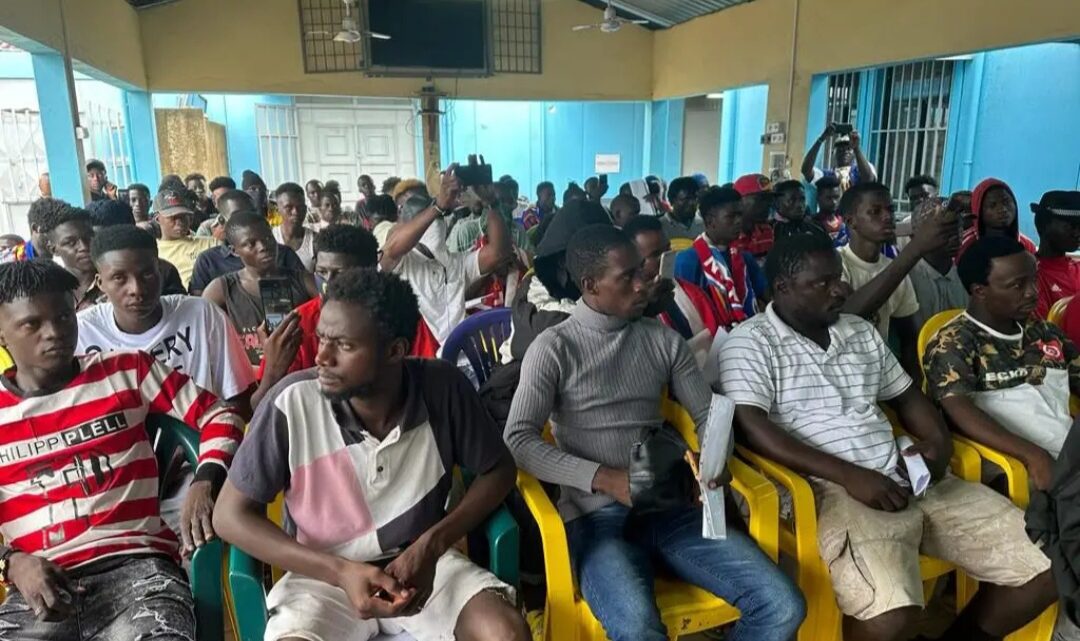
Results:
<point x="919" y="181"/>
<point x="787" y="185"/>
<point x="26" y="279"/>
<point x="350" y="240"/>
<point x="94" y="163"/>
<point x="110" y="213"/>
<point x="788" y="255"/>
<point x="828" y="181"/>
<point x="222" y="182"/>
<point x="292" y="189"/>
<point x="849" y="202"/>
<point x="409" y="184"/>
<point x="389" y="184"/>
<point x="190" y="177"/>
<point x="715" y="198"/>
<point x="237" y="195"/>
<point x="121" y="237"/>
<point x="45" y="213"/>
<point x="642" y="225"/>
<point x="587" y="251"/>
<point x="974" y="264"/>
<point x="387" y="297"/>
<point x="546" y="184"/>
<point x="139" y="187"/>
<point x="244" y="220"/>
<point x="72" y="215"/>
<point x="683" y="183"/>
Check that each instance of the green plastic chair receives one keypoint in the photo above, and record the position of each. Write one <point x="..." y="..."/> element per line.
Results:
<point x="168" y="435"/>
<point x="249" y="594"/>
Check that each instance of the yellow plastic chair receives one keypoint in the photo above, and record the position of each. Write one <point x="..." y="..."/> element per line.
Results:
<point x="684" y="608"/>
<point x="5" y="360"/>
<point x="1016" y="476"/>
<point x="679" y="244"/>
<point x="1057" y="310"/>
<point x="799" y="540"/>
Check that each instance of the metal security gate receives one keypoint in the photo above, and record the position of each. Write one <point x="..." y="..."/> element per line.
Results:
<point x="109" y="142"/>
<point x="279" y="144"/>
<point x="842" y="106"/>
<point x="22" y="160"/>
<point x="911" y="121"/>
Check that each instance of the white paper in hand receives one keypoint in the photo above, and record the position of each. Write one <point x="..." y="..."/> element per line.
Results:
<point x="917" y="472"/>
<point x="716" y="446"/>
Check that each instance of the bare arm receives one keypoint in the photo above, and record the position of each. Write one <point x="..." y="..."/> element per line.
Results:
<point x="484" y="496"/>
<point x="811" y="154"/>
<point x="919" y="417"/>
<point x="215" y="293"/>
<point x="972" y="422"/>
<point x="866" y="170"/>
<point x="908" y="334"/>
<point x="406" y="234"/>
<point x="500" y="248"/>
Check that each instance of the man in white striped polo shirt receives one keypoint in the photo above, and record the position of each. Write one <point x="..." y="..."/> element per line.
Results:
<point x="807" y="381"/>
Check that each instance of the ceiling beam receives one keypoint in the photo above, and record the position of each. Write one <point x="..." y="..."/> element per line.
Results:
<point x="641" y="13"/>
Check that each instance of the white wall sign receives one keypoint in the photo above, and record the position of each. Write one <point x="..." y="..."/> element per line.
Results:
<point x="608" y="163"/>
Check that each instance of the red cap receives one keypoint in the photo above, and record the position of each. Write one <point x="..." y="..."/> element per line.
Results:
<point x="752" y="184"/>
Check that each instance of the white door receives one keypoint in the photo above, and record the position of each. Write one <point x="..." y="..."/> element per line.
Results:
<point x="341" y="138"/>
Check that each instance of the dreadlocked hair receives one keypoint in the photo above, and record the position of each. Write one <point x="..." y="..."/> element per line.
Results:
<point x="33" y="277"/>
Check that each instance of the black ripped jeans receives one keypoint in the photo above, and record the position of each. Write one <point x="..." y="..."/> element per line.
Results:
<point x="126" y="598"/>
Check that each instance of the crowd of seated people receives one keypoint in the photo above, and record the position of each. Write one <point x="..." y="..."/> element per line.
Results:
<point x="800" y="302"/>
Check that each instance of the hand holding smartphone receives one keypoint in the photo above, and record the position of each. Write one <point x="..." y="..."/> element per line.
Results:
<point x="276" y="298"/>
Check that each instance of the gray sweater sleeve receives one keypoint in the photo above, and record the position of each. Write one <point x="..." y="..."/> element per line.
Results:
<point x="689" y="387"/>
<point x="530" y="409"/>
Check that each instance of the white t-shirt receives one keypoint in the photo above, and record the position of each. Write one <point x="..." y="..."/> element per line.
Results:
<point x="440" y="288"/>
<point x="306" y="253"/>
<point x="902" y="302"/>
<point x="193" y="336"/>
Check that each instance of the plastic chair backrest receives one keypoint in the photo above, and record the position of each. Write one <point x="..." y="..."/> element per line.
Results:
<point x="679" y="244"/>
<point x="5" y="360"/>
<point x="1057" y="310"/>
<point x="479" y="337"/>
<point x="931" y="327"/>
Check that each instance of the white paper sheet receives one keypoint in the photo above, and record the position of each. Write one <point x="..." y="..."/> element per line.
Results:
<point x="917" y="472"/>
<point x="716" y="444"/>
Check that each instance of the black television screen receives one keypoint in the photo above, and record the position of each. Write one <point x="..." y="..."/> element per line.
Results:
<point x="436" y="35"/>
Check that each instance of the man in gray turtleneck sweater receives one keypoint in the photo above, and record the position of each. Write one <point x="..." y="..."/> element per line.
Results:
<point x="599" y="376"/>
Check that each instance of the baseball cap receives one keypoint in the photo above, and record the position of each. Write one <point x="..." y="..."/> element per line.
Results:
<point x="169" y="202"/>
<point x="1059" y="203"/>
<point x="752" y="184"/>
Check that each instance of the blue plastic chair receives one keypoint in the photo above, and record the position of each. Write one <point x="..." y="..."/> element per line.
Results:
<point x="479" y="337"/>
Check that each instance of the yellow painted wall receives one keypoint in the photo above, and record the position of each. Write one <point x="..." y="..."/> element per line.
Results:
<point x="752" y="44"/>
<point x="103" y="34"/>
<point x="253" y="46"/>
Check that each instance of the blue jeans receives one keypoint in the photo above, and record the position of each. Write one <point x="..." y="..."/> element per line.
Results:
<point x="614" y="566"/>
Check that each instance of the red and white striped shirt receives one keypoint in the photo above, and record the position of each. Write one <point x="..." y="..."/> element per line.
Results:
<point x="78" y="476"/>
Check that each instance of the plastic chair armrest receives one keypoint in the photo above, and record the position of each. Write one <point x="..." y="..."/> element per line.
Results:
<point x="804" y="508"/>
<point x="1015" y="473"/>
<point x="560" y="580"/>
<point x="503" y="542"/>
<point x="248" y="595"/>
<point x="764" y="503"/>
<point x="207" y="591"/>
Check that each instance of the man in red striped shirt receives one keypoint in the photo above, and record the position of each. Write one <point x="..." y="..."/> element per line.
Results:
<point x="86" y="550"/>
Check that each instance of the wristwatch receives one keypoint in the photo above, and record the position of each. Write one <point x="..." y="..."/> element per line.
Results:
<point x="443" y="213"/>
<point x="5" y="557"/>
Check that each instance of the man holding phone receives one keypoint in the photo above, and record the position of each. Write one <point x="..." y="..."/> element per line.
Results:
<point x="850" y="166"/>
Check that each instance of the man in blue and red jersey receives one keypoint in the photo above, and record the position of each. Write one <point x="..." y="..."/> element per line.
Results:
<point x="85" y="548"/>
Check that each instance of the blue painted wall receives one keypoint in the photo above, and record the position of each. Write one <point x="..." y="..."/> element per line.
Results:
<point x="666" y="138"/>
<point x="58" y="127"/>
<point x="1019" y="120"/>
<point x="742" y="122"/>
<point x="556" y="141"/>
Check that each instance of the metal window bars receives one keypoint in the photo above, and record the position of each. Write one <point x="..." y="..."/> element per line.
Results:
<point x="320" y="21"/>
<point x="842" y="107"/>
<point x="22" y="160"/>
<point x="108" y="142"/>
<point x="908" y="135"/>
<point x="515" y="36"/>
<point x="279" y="143"/>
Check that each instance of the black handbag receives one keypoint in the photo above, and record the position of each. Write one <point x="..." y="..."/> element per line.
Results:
<point x="660" y="477"/>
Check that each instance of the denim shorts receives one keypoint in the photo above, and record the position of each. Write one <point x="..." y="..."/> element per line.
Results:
<point x="124" y="598"/>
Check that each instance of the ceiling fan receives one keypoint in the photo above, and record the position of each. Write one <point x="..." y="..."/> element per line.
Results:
<point x="349" y="32"/>
<point x="611" y="23"/>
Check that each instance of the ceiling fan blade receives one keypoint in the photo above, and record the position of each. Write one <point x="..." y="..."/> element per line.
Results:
<point x="584" y="27"/>
<point x="319" y="33"/>
<point x="629" y="21"/>
<point x="377" y="35"/>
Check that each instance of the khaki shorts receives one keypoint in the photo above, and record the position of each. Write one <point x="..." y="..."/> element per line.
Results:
<point x="310" y="609"/>
<point x="873" y="556"/>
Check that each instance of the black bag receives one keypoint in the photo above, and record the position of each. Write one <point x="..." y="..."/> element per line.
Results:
<point x="660" y="477"/>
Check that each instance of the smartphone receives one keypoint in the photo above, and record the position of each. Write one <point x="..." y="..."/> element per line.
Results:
<point x="603" y="181"/>
<point x="474" y="173"/>
<point x="277" y="302"/>
<point x="123" y="195"/>
<point x="667" y="264"/>
<point x="843" y="129"/>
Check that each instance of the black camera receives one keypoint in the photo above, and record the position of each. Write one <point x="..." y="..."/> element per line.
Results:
<point x="475" y="173"/>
